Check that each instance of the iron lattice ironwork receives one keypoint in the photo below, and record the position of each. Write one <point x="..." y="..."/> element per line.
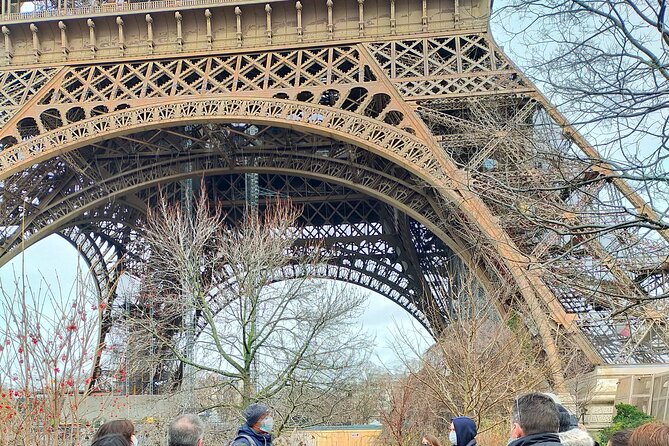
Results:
<point x="409" y="138"/>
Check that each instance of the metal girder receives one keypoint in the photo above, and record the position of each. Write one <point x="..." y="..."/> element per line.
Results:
<point x="132" y="165"/>
<point x="365" y="252"/>
<point x="122" y="176"/>
<point x="394" y="119"/>
<point x="17" y="87"/>
<point x="352" y="231"/>
<point x="353" y="120"/>
<point x="103" y="255"/>
<point x="597" y="283"/>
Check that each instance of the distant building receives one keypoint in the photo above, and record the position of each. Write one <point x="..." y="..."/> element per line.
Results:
<point x="356" y="435"/>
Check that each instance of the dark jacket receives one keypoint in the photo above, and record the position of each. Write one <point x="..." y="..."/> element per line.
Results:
<point x="259" y="439"/>
<point x="465" y="430"/>
<point x="537" y="440"/>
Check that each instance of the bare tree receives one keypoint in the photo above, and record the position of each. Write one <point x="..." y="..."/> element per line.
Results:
<point x="357" y="401"/>
<point x="397" y="411"/>
<point x="48" y="344"/>
<point x="606" y="65"/>
<point x="366" y="395"/>
<point x="480" y="362"/>
<point x="215" y="297"/>
<point x="582" y="390"/>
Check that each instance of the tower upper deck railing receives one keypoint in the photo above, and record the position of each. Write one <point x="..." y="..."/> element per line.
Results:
<point x="55" y="32"/>
<point x="45" y="10"/>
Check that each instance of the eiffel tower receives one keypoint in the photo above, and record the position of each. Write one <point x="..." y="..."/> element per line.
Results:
<point x="411" y="141"/>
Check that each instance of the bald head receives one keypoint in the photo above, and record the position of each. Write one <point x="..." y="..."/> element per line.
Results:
<point x="185" y="430"/>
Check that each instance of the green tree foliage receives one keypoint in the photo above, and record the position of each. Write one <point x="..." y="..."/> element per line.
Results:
<point x="627" y="417"/>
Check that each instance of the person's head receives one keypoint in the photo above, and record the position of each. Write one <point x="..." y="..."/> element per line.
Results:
<point x="185" y="430"/>
<point x="430" y="440"/>
<point x="651" y="434"/>
<point x="567" y="420"/>
<point x="462" y="431"/>
<point x="111" y="440"/>
<point x="259" y="418"/>
<point x="620" y="438"/>
<point x="122" y="427"/>
<point x="534" y="413"/>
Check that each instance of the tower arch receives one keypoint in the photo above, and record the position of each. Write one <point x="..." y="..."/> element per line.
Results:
<point x="420" y="111"/>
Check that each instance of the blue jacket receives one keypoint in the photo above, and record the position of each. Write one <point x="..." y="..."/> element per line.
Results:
<point x="259" y="439"/>
<point x="465" y="430"/>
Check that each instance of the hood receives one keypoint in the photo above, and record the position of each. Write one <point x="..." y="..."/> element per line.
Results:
<point x="260" y="439"/>
<point x="465" y="429"/>
<point x="576" y="437"/>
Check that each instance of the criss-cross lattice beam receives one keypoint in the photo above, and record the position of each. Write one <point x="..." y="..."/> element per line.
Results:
<point x="540" y="187"/>
<point x="367" y="109"/>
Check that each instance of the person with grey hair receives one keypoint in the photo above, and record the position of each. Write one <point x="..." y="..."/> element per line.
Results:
<point x="185" y="430"/>
<point x="535" y="421"/>
<point x="257" y="431"/>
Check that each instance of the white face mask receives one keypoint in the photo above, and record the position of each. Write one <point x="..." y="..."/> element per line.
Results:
<point x="134" y="441"/>
<point x="453" y="437"/>
<point x="267" y="425"/>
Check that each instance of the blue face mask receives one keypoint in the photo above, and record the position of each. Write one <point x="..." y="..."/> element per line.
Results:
<point x="267" y="425"/>
<point x="453" y="437"/>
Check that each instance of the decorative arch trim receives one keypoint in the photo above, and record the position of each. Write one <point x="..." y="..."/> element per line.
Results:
<point x="400" y="146"/>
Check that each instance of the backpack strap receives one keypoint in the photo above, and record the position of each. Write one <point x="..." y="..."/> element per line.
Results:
<point x="248" y="438"/>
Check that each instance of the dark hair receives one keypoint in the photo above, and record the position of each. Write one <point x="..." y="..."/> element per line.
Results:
<point x="185" y="430"/>
<point x="111" y="440"/>
<point x="620" y="438"/>
<point x="567" y="420"/>
<point x="651" y="434"/>
<point x="122" y="427"/>
<point x="432" y="440"/>
<point x="536" y="413"/>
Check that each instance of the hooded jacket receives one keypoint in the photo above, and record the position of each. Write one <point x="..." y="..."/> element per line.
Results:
<point x="576" y="437"/>
<point x="465" y="430"/>
<point x="259" y="439"/>
<point x="546" y="439"/>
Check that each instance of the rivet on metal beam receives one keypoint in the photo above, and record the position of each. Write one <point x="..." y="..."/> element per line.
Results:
<point x="330" y="24"/>
<point x="91" y="31"/>
<point x="63" y="39"/>
<point x="298" y="7"/>
<point x="180" y="40"/>
<point x="207" y="15"/>
<point x="238" y="13"/>
<point x="9" y="50"/>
